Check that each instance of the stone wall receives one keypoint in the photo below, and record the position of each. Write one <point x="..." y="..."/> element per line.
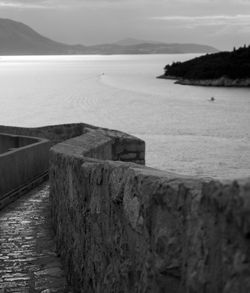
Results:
<point x="123" y="227"/>
<point x="55" y="133"/>
<point x="11" y="138"/>
<point x="129" y="148"/>
<point x="26" y="160"/>
<point x="10" y="142"/>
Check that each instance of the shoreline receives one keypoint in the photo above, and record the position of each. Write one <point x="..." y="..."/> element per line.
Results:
<point x="219" y="82"/>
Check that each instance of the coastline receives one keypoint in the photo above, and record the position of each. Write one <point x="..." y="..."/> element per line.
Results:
<point x="219" y="82"/>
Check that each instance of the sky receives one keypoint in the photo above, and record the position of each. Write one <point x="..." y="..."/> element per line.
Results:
<point x="223" y="24"/>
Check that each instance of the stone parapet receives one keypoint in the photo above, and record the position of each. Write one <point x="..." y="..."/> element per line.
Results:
<point x="128" y="149"/>
<point x="123" y="227"/>
<point x="55" y="133"/>
<point x="24" y="162"/>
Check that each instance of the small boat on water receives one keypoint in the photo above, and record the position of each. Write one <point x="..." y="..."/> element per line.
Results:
<point x="212" y="99"/>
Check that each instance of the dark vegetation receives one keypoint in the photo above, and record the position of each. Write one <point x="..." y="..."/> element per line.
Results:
<point x="234" y="65"/>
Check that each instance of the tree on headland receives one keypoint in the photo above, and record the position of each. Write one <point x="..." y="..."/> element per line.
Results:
<point x="234" y="65"/>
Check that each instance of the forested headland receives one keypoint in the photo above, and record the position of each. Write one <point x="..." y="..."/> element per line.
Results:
<point x="213" y="69"/>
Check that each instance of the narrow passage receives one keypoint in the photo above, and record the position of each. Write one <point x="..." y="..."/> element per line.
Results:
<point x="28" y="260"/>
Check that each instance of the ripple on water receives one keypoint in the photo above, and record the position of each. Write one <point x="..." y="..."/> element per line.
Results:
<point x="184" y="132"/>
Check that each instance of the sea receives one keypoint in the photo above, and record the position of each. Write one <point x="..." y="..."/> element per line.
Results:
<point x="185" y="133"/>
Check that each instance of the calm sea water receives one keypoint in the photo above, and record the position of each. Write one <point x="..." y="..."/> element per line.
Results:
<point x="184" y="132"/>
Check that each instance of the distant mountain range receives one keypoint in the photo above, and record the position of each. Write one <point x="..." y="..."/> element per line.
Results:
<point x="17" y="38"/>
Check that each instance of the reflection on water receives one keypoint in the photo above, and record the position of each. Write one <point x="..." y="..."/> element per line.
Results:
<point x="184" y="131"/>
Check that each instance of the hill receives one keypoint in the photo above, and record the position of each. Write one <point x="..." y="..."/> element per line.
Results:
<point x="17" y="38"/>
<point x="131" y="42"/>
<point x="150" y="48"/>
<point x="220" y="69"/>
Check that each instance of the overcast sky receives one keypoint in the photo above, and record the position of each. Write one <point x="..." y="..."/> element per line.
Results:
<point x="221" y="23"/>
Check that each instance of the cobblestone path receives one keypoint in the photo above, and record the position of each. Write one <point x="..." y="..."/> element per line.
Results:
<point x="28" y="261"/>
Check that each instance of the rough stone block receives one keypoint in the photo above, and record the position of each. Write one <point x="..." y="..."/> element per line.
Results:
<point x="128" y="157"/>
<point x="122" y="227"/>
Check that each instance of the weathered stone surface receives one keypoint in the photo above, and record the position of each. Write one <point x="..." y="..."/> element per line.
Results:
<point x="28" y="258"/>
<point x="122" y="227"/>
<point x="63" y="132"/>
<point x="122" y="144"/>
<point x="129" y="157"/>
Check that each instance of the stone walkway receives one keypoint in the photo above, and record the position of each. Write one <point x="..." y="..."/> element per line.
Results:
<point x="28" y="261"/>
